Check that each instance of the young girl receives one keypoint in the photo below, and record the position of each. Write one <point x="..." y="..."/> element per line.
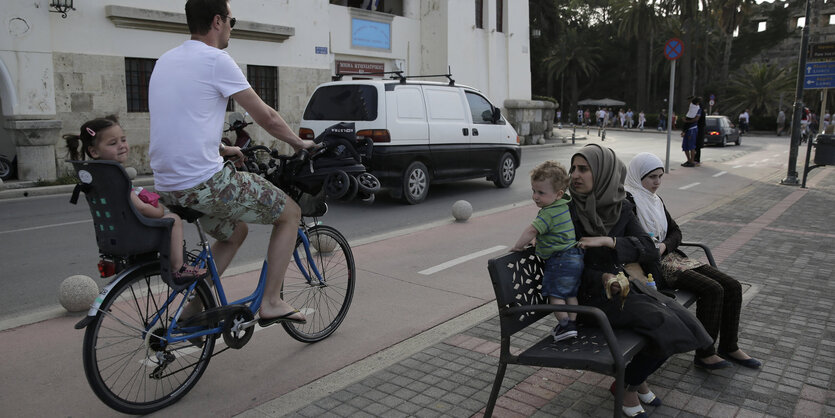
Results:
<point x="103" y="139"/>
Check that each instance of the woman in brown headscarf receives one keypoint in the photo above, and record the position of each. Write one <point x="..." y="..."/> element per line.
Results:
<point x="612" y="236"/>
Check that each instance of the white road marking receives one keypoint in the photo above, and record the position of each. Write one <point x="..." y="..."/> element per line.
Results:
<point x="738" y="166"/>
<point x="767" y="159"/>
<point x="460" y="260"/>
<point x="44" y="227"/>
<point x="721" y="173"/>
<point x="689" y="186"/>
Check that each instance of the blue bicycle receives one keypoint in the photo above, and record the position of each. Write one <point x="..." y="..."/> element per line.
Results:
<point x="140" y="352"/>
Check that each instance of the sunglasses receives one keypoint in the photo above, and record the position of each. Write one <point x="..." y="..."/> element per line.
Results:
<point x="232" y="21"/>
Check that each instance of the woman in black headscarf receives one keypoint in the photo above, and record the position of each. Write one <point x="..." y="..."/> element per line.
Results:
<point x="612" y="236"/>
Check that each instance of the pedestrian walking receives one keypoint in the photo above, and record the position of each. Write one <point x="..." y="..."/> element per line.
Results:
<point x="781" y="122"/>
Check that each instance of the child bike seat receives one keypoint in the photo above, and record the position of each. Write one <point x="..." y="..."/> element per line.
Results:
<point x="121" y="231"/>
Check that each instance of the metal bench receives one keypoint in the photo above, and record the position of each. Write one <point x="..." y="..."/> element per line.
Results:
<point x="517" y="280"/>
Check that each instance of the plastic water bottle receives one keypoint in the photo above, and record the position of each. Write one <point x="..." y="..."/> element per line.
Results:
<point x="651" y="281"/>
<point x="654" y="241"/>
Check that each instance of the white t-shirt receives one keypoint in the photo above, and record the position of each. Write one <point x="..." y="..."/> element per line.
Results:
<point x="692" y="111"/>
<point x="187" y="96"/>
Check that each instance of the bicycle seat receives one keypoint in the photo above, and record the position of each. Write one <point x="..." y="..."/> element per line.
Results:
<point x="189" y="215"/>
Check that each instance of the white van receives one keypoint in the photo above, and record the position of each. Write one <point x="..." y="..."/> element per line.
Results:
<point x="423" y="132"/>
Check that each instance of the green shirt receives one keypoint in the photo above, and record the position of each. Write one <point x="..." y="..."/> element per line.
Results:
<point x="554" y="229"/>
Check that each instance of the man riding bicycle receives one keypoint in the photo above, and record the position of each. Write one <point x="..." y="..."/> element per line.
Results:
<point x="188" y="93"/>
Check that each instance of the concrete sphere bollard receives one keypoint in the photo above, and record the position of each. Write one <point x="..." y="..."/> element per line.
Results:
<point x="323" y="243"/>
<point x="462" y="210"/>
<point x="77" y="293"/>
<point x="131" y="172"/>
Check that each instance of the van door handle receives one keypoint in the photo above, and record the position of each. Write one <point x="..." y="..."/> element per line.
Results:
<point x="475" y="132"/>
<point x="465" y="131"/>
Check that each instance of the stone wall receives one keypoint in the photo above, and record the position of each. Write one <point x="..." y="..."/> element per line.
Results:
<point x="91" y="86"/>
<point x="532" y="119"/>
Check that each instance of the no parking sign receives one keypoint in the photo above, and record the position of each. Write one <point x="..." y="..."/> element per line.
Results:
<point x="674" y="49"/>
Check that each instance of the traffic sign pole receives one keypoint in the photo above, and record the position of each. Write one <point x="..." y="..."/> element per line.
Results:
<point x="673" y="50"/>
<point x="670" y="114"/>
<point x="791" y="174"/>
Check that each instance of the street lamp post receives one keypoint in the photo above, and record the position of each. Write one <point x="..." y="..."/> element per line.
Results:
<point x="791" y="175"/>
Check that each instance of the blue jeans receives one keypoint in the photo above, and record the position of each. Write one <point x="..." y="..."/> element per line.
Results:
<point x="561" y="274"/>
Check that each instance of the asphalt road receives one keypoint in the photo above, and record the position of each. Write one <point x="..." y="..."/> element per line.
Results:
<point x="45" y="239"/>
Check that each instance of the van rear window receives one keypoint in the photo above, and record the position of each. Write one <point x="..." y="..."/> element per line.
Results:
<point x="343" y="103"/>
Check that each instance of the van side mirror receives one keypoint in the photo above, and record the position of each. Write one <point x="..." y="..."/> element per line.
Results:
<point x="497" y="115"/>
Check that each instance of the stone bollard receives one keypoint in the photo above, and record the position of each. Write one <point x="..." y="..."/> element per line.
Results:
<point x="131" y="172"/>
<point x="323" y="243"/>
<point x="462" y="210"/>
<point x="77" y="293"/>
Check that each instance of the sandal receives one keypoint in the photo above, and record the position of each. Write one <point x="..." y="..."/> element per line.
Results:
<point x="188" y="273"/>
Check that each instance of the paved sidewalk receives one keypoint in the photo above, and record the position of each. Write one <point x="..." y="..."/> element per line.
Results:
<point x="778" y="240"/>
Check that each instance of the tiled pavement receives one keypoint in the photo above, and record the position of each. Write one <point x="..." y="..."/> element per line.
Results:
<point x="778" y="240"/>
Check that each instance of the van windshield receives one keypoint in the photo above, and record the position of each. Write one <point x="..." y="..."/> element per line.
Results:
<point x="343" y="103"/>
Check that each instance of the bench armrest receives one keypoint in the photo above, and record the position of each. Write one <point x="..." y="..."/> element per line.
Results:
<point x="704" y="248"/>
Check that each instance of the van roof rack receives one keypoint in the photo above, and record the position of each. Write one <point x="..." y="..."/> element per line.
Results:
<point x="395" y="74"/>
<point x="398" y="75"/>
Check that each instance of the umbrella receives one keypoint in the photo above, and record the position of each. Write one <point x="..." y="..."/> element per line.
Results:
<point x="601" y="102"/>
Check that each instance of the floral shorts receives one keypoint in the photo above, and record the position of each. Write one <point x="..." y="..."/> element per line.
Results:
<point x="230" y="197"/>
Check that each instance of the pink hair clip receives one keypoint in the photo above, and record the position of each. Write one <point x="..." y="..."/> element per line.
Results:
<point x="90" y="131"/>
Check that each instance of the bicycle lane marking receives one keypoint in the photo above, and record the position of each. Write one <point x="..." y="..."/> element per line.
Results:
<point x="34" y="228"/>
<point x="462" y="259"/>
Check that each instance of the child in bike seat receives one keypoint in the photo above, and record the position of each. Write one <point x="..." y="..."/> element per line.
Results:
<point x="104" y="139"/>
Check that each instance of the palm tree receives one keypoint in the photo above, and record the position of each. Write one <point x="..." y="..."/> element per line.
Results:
<point x="729" y="14"/>
<point x="758" y="87"/>
<point x="637" y="18"/>
<point x="571" y="57"/>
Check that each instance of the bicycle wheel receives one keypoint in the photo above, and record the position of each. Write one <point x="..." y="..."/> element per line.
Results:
<point x="324" y="304"/>
<point x="127" y="363"/>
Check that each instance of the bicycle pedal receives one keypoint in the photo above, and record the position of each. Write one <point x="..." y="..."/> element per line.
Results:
<point x="213" y="316"/>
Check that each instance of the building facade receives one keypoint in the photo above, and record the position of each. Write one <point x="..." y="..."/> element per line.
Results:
<point x="57" y="72"/>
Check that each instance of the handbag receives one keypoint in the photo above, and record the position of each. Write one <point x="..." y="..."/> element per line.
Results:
<point x="635" y="271"/>
<point x="673" y="263"/>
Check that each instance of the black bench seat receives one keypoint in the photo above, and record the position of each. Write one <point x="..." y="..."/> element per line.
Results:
<point x="517" y="280"/>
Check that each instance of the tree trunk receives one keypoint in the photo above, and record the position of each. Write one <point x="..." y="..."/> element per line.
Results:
<point x="683" y="72"/>
<point x="641" y="95"/>
<point x="726" y="58"/>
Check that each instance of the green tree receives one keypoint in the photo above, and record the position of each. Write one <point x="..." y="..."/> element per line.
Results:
<point x="638" y="21"/>
<point x="571" y="58"/>
<point x="757" y="87"/>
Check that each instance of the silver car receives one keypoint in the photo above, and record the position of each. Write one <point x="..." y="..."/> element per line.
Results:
<point x="720" y="131"/>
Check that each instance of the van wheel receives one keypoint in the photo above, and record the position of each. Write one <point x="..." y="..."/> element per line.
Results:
<point x="724" y="141"/>
<point x="415" y="183"/>
<point x="506" y="171"/>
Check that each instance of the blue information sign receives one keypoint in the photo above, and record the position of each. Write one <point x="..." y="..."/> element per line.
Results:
<point x="819" y="82"/>
<point x="820" y="75"/>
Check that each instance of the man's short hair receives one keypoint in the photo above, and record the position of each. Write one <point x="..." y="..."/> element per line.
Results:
<point x="201" y="13"/>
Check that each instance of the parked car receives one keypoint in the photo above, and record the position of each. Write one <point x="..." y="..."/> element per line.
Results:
<point x="719" y="131"/>
<point x="423" y="132"/>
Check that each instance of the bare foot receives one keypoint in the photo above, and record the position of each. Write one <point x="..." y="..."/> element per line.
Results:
<point x="712" y="359"/>
<point x="630" y="399"/>
<point x="739" y="355"/>
<point x="281" y="309"/>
